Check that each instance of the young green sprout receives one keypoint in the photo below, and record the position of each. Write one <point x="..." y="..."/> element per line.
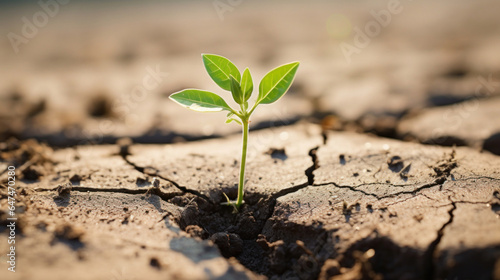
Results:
<point x="225" y="74"/>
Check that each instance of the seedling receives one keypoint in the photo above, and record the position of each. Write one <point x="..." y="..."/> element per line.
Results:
<point x="225" y="74"/>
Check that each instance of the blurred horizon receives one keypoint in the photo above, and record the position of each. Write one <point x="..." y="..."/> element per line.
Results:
<point x="368" y="63"/>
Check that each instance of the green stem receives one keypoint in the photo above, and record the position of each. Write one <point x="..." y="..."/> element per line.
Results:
<point x="253" y="108"/>
<point x="239" y="200"/>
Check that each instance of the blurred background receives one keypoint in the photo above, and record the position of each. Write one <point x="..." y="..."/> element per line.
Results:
<point x="90" y="72"/>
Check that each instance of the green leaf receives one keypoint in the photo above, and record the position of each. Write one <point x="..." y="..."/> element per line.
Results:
<point x="220" y="69"/>
<point x="275" y="83"/>
<point x="236" y="91"/>
<point x="199" y="100"/>
<point x="246" y="84"/>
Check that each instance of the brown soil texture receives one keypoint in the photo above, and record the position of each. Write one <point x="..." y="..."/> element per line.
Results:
<point x="381" y="164"/>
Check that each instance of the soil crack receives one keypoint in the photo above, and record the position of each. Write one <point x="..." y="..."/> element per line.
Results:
<point x="156" y="191"/>
<point x="429" y="266"/>
<point x="478" y="178"/>
<point x="155" y="173"/>
<point x="444" y="167"/>
<point x="310" y="171"/>
<point x="436" y="182"/>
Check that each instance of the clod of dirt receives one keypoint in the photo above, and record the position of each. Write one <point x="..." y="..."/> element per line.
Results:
<point x="307" y="267"/>
<point x="64" y="189"/>
<point x="189" y="216"/>
<point x="235" y="234"/>
<point x="278" y="257"/>
<point x="362" y="269"/>
<point x="379" y="258"/>
<point x="247" y="227"/>
<point x="32" y="159"/>
<point x="196" y="231"/>
<point x="262" y="242"/>
<point x="284" y="257"/>
<point x="156" y="182"/>
<point x="229" y="244"/>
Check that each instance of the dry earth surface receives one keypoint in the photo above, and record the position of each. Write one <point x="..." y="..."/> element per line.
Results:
<point x="384" y="167"/>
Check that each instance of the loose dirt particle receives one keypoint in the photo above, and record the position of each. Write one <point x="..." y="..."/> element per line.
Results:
<point x="229" y="244"/>
<point x="64" y="189"/>
<point x="196" y="231"/>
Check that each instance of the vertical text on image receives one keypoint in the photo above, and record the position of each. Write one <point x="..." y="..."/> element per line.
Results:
<point x="11" y="218"/>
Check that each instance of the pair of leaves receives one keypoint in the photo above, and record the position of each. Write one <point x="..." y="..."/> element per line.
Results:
<point x="242" y="92"/>
<point x="225" y="74"/>
<point x="228" y="77"/>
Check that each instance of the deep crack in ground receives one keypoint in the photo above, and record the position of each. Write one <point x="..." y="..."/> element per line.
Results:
<point x="429" y="255"/>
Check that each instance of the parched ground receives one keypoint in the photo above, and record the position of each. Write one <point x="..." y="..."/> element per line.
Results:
<point x="381" y="165"/>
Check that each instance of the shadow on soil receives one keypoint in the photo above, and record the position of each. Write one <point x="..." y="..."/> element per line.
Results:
<point x="268" y="244"/>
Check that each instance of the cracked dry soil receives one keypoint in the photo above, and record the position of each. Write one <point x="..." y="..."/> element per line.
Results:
<point x="319" y="204"/>
<point x="347" y="212"/>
